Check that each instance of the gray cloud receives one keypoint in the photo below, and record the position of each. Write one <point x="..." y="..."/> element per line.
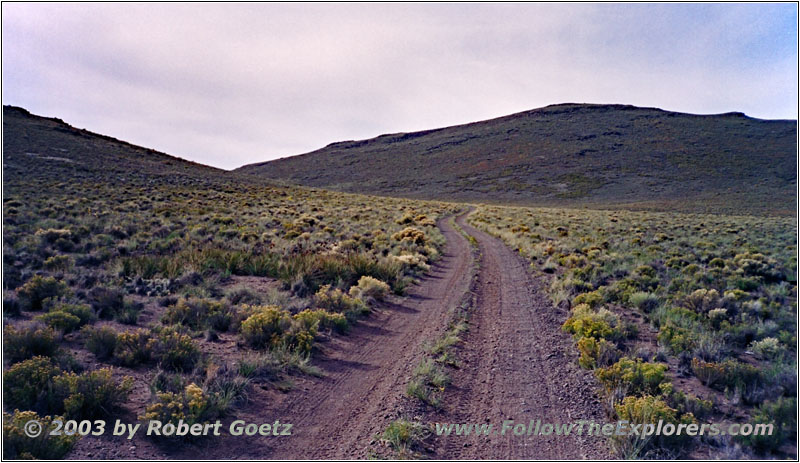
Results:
<point x="238" y="83"/>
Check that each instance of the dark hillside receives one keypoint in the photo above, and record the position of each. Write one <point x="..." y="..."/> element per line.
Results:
<point x="571" y="155"/>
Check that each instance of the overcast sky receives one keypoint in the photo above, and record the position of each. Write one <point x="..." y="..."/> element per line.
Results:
<point x="231" y="84"/>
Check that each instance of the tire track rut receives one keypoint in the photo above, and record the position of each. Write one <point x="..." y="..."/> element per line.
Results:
<point x="365" y="374"/>
<point x="517" y="365"/>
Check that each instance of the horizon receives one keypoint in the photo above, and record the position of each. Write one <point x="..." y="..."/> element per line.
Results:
<point x="387" y="133"/>
<point x="321" y="74"/>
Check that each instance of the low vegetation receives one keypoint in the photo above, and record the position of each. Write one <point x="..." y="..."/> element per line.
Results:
<point x="652" y="297"/>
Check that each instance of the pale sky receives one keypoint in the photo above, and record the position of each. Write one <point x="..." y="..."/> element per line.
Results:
<point x="232" y="84"/>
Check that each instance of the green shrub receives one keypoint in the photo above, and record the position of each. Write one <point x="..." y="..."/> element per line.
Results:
<point x="24" y="343"/>
<point x="176" y="351"/>
<point x="192" y="405"/>
<point x="93" y="394"/>
<point x="33" y="293"/>
<point x="60" y="321"/>
<point x="411" y="235"/>
<point x="40" y="385"/>
<point x="676" y="338"/>
<point x="729" y="374"/>
<point x="106" y="302"/>
<point x="200" y="314"/>
<point x="265" y="327"/>
<point x="335" y="300"/>
<point x="134" y="347"/>
<point x="369" y="287"/>
<point x="18" y="446"/>
<point x="585" y="322"/>
<point x="11" y="305"/>
<point x="646" y="302"/>
<point x="634" y="376"/>
<point x="25" y="384"/>
<point x="597" y="353"/>
<point x="648" y="410"/>
<point x="782" y="415"/>
<point x="312" y="320"/>
<point x="404" y="437"/>
<point x="60" y="262"/>
<point x="767" y="348"/>
<point x="592" y="298"/>
<point x="102" y="342"/>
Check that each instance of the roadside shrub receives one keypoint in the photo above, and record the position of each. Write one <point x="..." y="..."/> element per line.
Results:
<point x="649" y="410"/>
<point x="192" y="405"/>
<point x="592" y="298"/>
<point x="176" y="351"/>
<point x="585" y="322"/>
<point x="369" y="287"/>
<point x="33" y="293"/>
<point x="25" y="384"/>
<point x="92" y="394"/>
<point x="335" y="300"/>
<point x="200" y="314"/>
<point x="24" y="343"/>
<point x="782" y="415"/>
<point x="265" y="327"/>
<point x="634" y="376"/>
<point x="411" y="235"/>
<point x="18" y="446"/>
<point x="102" y="342"/>
<point x="646" y="302"/>
<point x="134" y="347"/>
<point x="312" y="320"/>
<point x="60" y="321"/>
<point x="404" y="437"/>
<point x="597" y="353"/>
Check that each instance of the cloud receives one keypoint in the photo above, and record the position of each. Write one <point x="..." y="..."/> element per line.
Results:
<point x="233" y="84"/>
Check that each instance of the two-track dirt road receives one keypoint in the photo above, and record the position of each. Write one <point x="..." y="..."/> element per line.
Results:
<point x="515" y="363"/>
<point x="364" y="374"/>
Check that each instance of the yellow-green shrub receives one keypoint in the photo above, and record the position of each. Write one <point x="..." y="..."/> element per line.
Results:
<point x="17" y="445"/>
<point x="312" y="320"/>
<point x="650" y="410"/>
<point x="265" y="327"/>
<point x="335" y="300"/>
<point x="369" y="287"/>
<point x="585" y="322"/>
<point x="92" y="394"/>
<point x="634" y="376"/>
<point x="597" y="353"/>
<point x="25" y="384"/>
<point x="200" y="314"/>
<point x="33" y="293"/>
<point x="192" y="405"/>
<point x="24" y="343"/>
<point x="411" y="235"/>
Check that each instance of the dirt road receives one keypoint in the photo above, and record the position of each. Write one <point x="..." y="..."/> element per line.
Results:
<point x="365" y="374"/>
<point x="517" y="365"/>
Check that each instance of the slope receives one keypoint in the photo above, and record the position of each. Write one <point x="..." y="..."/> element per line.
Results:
<point x="572" y="155"/>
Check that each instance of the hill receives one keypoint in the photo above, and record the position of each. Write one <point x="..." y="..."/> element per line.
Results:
<point x="571" y="155"/>
<point x="42" y="148"/>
